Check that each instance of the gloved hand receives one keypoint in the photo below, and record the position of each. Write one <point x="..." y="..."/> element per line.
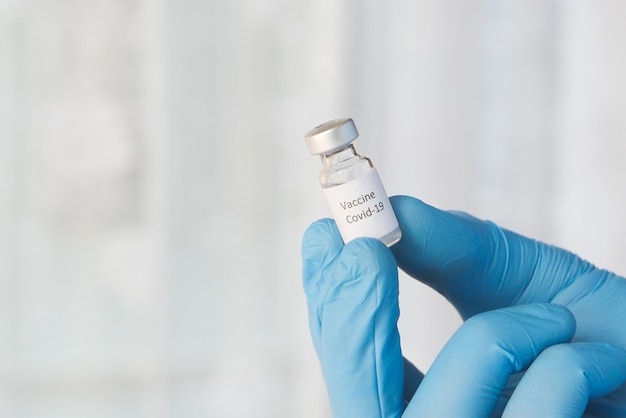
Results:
<point x="519" y="294"/>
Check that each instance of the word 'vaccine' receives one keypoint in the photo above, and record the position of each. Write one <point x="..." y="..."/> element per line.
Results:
<point x="351" y="185"/>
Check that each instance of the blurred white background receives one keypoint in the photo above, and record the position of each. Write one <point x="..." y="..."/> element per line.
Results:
<point x="154" y="184"/>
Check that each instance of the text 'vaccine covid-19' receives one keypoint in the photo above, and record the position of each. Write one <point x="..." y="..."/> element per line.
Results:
<point x="351" y="184"/>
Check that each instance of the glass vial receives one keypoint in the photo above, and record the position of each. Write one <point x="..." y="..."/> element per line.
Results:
<point x="351" y="184"/>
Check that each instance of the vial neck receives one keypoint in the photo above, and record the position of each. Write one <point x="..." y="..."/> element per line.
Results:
<point x="338" y="156"/>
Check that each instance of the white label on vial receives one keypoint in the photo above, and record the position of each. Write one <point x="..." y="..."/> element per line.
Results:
<point x="361" y="208"/>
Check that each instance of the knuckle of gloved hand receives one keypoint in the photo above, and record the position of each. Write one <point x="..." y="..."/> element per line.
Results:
<point x="501" y="333"/>
<point x="485" y="327"/>
<point x="572" y="358"/>
<point x="563" y="357"/>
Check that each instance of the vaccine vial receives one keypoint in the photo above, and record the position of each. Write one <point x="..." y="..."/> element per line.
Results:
<point x="351" y="185"/>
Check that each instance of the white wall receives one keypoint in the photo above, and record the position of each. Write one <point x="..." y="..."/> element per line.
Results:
<point x="154" y="184"/>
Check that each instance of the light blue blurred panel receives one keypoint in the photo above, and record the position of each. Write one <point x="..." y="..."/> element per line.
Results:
<point x="260" y="383"/>
<point x="79" y="400"/>
<point x="88" y="302"/>
<point x="236" y="212"/>
<point x="8" y="204"/>
<point x="515" y="155"/>
<point x="590" y="148"/>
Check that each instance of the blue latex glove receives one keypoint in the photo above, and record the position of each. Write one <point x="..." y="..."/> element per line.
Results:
<point x="523" y="292"/>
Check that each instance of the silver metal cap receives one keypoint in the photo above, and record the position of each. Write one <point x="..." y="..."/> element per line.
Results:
<point x="331" y="135"/>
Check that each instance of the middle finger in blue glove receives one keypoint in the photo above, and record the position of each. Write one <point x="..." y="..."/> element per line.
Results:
<point x="471" y="371"/>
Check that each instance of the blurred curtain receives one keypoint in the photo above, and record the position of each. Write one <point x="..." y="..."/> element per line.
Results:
<point x="154" y="184"/>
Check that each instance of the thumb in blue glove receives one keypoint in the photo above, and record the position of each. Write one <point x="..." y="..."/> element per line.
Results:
<point x="353" y="309"/>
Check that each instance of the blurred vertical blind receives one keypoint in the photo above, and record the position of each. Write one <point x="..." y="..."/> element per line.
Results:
<point x="154" y="184"/>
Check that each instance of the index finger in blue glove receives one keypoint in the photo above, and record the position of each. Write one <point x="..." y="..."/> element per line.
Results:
<point x="352" y="294"/>
<point x="475" y="264"/>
